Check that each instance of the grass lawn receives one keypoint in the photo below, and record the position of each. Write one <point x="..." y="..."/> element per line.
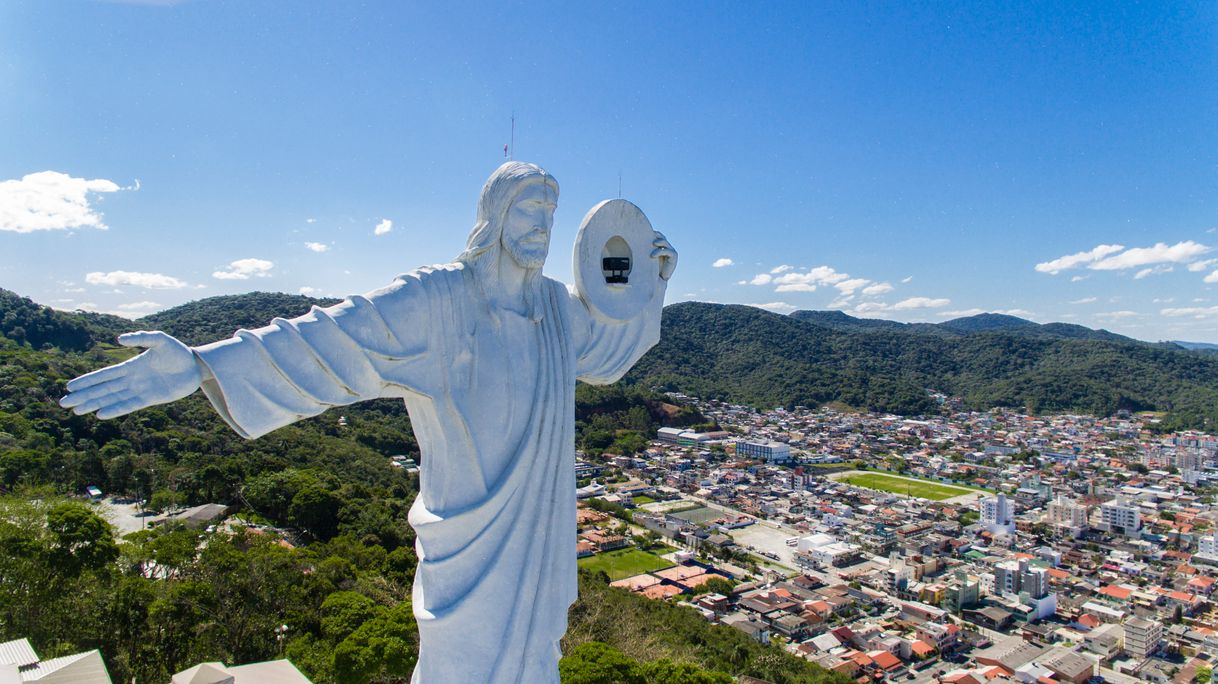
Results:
<point x="642" y="499"/>
<point x="923" y="489"/>
<point x="622" y="563"/>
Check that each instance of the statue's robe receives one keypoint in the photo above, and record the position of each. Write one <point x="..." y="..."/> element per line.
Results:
<point x="491" y="397"/>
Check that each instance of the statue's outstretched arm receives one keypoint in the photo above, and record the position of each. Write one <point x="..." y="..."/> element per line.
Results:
<point x="165" y="372"/>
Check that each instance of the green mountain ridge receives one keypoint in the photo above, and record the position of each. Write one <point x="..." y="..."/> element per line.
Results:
<point x="752" y="356"/>
<point x="979" y="323"/>
<point x="807" y="358"/>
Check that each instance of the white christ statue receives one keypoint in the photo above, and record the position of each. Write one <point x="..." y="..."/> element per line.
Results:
<point x="485" y="351"/>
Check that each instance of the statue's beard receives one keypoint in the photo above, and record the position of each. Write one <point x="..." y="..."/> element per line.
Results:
<point x="528" y="255"/>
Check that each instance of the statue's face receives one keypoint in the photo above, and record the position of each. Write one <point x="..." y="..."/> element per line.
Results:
<point x="526" y="231"/>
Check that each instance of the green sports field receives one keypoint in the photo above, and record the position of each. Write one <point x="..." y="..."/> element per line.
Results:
<point x="623" y="563"/>
<point x="923" y="489"/>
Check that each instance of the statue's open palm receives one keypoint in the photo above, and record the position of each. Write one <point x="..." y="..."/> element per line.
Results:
<point x="166" y="372"/>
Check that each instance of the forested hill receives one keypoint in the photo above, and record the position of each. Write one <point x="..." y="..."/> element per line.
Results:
<point x="37" y="326"/>
<point x="980" y="323"/>
<point x="216" y="318"/>
<point x="749" y="355"/>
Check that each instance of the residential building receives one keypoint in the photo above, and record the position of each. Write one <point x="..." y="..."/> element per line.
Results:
<point x="770" y="452"/>
<point x="1068" y="515"/>
<point x="1120" y="515"/>
<point x="996" y="514"/>
<point x="1142" y="637"/>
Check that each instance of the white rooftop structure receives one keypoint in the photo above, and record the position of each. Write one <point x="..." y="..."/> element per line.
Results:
<point x="19" y="664"/>
<point x="272" y="672"/>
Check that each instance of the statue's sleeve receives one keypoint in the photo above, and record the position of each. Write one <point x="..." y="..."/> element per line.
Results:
<point x="365" y="347"/>
<point x="606" y="349"/>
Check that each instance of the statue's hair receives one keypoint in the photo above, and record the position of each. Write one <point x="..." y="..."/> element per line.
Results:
<point x="508" y="181"/>
<point x="482" y="248"/>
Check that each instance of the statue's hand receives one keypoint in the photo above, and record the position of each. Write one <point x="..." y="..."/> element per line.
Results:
<point x="166" y="372"/>
<point x="666" y="254"/>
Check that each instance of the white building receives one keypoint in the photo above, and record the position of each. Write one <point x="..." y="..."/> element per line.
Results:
<point x="1207" y="549"/>
<point x="1142" y="637"/>
<point x="1068" y="515"/>
<point x="821" y="551"/>
<point x="997" y="515"/>
<point x="770" y="452"/>
<point x="1120" y="515"/>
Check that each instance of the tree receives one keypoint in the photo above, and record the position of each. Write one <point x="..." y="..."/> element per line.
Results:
<point x="665" y="671"/>
<point x="385" y="646"/>
<point x="599" y="663"/>
<point x="81" y="540"/>
<point x="343" y="612"/>
<point x="315" y="509"/>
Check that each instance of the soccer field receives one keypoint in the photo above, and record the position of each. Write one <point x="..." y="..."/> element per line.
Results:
<point x="623" y="563"/>
<point x="923" y="489"/>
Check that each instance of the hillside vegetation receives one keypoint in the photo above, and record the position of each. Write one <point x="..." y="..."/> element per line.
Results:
<point x="753" y="356"/>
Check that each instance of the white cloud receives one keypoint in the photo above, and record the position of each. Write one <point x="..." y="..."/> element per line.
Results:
<point x="242" y="269"/>
<point x="137" y="309"/>
<point x="802" y="282"/>
<point x="877" y="289"/>
<point x="870" y="308"/>
<point x="1153" y="270"/>
<point x="777" y="307"/>
<point x="1180" y="252"/>
<point x="1164" y="300"/>
<point x="152" y="281"/>
<point x="907" y="279"/>
<point x="310" y="220"/>
<point x="306" y="290"/>
<point x="1198" y="266"/>
<point x="780" y="269"/>
<point x="50" y="200"/>
<point x="795" y="287"/>
<point x="1211" y="278"/>
<point x="847" y="287"/>
<point x="1078" y="259"/>
<point x="1078" y="278"/>
<point x="1194" y="311"/>
<point x="1116" y="315"/>
<point x="720" y="263"/>
<point x="963" y="313"/>
<point x="1022" y="313"/>
<point x="1084" y="300"/>
<point x="383" y="227"/>
<point x="317" y="247"/>
<point x="841" y="302"/>
<point x="920" y="303"/>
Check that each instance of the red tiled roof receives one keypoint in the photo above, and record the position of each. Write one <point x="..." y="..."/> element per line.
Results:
<point x="1119" y="593"/>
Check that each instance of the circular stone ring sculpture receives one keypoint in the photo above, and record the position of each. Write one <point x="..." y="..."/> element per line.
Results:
<point x="614" y="272"/>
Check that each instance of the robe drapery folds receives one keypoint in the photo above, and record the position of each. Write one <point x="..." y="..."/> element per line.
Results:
<point x="491" y="398"/>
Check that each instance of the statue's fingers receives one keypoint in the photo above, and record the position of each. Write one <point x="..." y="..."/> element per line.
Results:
<point x="100" y="390"/>
<point x="100" y="403"/>
<point x="122" y="408"/>
<point x="143" y="338"/>
<point x="97" y="377"/>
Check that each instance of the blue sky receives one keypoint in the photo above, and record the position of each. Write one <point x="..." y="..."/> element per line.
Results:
<point x="1054" y="160"/>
